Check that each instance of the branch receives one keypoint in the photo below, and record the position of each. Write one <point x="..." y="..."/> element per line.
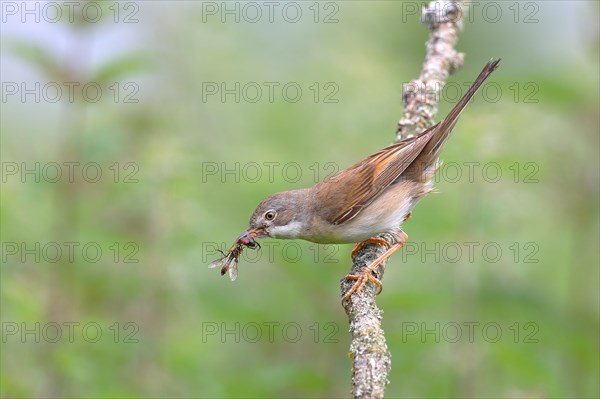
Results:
<point x="421" y="96"/>
<point x="371" y="359"/>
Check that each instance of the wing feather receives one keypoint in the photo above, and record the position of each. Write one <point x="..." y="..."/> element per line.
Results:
<point x="374" y="175"/>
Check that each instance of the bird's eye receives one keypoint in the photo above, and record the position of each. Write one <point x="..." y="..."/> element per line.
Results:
<point x="270" y="215"/>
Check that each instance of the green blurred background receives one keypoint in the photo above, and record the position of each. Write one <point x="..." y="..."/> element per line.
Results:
<point x="182" y="170"/>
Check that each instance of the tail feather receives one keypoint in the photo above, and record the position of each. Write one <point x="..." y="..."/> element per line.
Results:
<point x="449" y="121"/>
<point x="440" y="132"/>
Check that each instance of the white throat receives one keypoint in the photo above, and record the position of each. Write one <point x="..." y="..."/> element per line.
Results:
<point x="290" y="230"/>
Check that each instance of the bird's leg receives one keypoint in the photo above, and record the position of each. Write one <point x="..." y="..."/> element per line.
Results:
<point x="376" y="240"/>
<point x="373" y="240"/>
<point x="367" y="273"/>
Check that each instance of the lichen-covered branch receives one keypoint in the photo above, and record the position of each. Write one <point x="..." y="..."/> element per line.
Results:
<point x="421" y="96"/>
<point x="371" y="359"/>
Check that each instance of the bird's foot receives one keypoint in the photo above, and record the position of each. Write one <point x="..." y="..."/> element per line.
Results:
<point x="367" y="273"/>
<point x="361" y="280"/>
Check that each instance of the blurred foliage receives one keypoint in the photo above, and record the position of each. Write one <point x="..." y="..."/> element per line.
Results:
<point x="158" y="315"/>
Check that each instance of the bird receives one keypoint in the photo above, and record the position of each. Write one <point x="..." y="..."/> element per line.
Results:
<point x="373" y="196"/>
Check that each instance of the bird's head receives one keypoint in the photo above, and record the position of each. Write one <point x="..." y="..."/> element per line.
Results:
<point x="280" y="215"/>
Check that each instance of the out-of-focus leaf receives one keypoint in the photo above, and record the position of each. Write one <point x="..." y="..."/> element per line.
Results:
<point x="126" y="65"/>
<point x="37" y="56"/>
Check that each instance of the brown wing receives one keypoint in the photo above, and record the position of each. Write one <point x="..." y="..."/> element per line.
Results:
<point x="374" y="175"/>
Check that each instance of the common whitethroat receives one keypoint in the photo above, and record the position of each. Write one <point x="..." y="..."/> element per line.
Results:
<point x="371" y="197"/>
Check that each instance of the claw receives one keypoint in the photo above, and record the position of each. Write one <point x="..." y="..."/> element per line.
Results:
<point x="361" y="281"/>
<point x="367" y="273"/>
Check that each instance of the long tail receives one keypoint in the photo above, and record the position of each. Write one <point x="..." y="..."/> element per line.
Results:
<point x="440" y="132"/>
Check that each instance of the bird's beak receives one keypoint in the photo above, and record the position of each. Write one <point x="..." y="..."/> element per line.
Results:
<point x="250" y="234"/>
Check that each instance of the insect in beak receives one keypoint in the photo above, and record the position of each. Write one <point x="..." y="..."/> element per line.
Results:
<point x="229" y="261"/>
